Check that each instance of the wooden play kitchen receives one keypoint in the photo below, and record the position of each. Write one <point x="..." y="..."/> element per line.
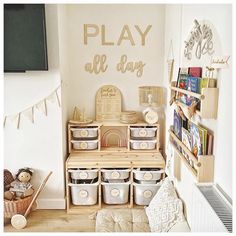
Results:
<point x="112" y="163"/>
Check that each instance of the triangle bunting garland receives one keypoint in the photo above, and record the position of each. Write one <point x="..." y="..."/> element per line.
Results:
<point x="29" y="112"/>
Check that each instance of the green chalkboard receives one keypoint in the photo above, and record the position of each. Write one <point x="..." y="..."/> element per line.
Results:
<point x="25" y="46"/>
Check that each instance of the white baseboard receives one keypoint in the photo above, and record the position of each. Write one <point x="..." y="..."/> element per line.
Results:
<point x="51" y="203"/>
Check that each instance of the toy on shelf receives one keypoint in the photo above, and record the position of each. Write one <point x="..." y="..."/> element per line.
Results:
<point x="79" y="117"/>
<point x="21" y="186"/>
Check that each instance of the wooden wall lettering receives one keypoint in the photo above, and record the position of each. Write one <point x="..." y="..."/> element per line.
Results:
<point x="220" y="62"/>
<point x="99" y="62"/>
<point x="98" y="65"/>
<point x="93" y="30"/>
<point x="201" y="36"/>
<point x="124" y="66"/>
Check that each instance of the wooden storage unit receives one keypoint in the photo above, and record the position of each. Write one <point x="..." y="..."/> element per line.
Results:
<point x="208" y="97"/>
<point x="109" y="160"/>
<point x="204" y="164"/>
<point x="115" y="129"/>
<point x="117" y="154"/>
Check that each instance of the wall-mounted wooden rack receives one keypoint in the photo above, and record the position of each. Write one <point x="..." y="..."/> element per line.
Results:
<point x="203" y="169"/>
<point x="208" y="97"/>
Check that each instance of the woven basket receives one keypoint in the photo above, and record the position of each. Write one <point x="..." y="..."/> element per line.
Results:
<point x="16" y="206"/>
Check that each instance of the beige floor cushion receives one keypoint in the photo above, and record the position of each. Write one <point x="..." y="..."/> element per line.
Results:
<point x="122" y="220"/>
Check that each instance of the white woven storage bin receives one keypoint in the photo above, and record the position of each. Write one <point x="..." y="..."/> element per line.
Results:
<point x="143" y="193"/>
<point x="115" y="174"/>
<point x="84" y="132"/>
<point x="115" y="193"/>
<point x="147" y="132"/>
<point x="143" y="144"/>
<point x="148" y="175"/>
<point x="84" y="194"/>
<point x="83" y="174"/>
<point x="85" y="145"/>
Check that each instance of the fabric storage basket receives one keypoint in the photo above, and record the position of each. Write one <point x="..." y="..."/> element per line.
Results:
<point x="148" y="174"/>
<point x="83" y="174"/>
<point x="144" y="145"/>
<point x="84" y="194"/>
<point x="115" y="193"/>
<point x="115" y="174"/>
<point x="14" y="207"/>
<point x="85" y="132"/>
<point x="85" y="145"/>
<point x="143" y="193"/>
<point x="143" y="132"/>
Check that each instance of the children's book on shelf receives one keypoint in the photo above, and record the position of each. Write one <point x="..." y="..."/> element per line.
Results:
<point x="199" y="139"/>
<point x="195" y="71"/>
<point x="203" y="136"/>
<point x="193" y="86"/>
<point x="196" y="141"/>
<point x="177" y="128"/>
<point x="207" y="83"/>
<point x="187" y="141"/>
<point x="209" y="144"/>
<point x="183" y="84"/>
<point x="184" y="70"/>
<point x="177" y="125"/>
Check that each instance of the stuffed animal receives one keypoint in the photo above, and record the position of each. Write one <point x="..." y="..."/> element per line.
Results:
<point x="8" y="179"/>
<point x="21" y="186"/>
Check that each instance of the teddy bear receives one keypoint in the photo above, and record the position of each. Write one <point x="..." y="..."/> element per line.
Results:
<point x="21" y="186"/>
<point x="8" y="179"/>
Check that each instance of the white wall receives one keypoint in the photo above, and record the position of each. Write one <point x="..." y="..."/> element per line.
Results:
<point x="38" y="145"/>
<point x="81" y="86"/>
<point x="179" y="22"/>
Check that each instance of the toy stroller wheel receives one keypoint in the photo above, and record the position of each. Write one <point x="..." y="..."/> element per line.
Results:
<point x="18" y="221"/>
<point x="35" y="206"/>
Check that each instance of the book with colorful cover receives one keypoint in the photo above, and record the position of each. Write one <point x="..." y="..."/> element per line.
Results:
<point x="187" y="141"/>
<point x="183" y="84"/>
<point x="177" y="128"/>
<point x="195" y="71"/>
<point x="199" y="139"/>
<point x="177" y="125"/>
<point x="196" y="139"/>
<point x="207" y="83"/>
<point x="193" y="86"/>
<point x="203" y="135"/>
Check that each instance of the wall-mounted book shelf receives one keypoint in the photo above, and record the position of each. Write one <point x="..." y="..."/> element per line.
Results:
<point x="208" y="97"/>
<point x="203" y="169"/>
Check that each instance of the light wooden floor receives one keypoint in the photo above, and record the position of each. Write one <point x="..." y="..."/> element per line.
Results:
<point x="55" y="221"/>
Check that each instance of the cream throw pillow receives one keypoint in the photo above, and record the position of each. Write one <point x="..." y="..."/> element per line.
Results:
<point x="165" y="209"/>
